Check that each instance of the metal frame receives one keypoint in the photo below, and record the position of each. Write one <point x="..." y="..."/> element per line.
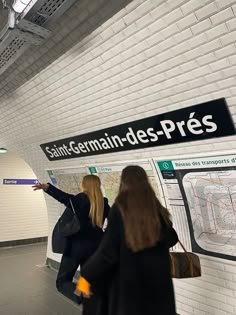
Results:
<point x="22" y="30"/>
<point x="35" y="9"/>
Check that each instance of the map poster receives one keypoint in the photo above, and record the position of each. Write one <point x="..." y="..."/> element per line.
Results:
<point x="68" y="179"/>
<point x="110" y="177"/>
<point x="202" y="194"/>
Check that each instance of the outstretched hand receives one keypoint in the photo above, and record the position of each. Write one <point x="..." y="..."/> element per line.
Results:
<point x="40" y="186"/>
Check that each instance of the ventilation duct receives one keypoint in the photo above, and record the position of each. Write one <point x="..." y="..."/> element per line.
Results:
<point x="28" y="27"/>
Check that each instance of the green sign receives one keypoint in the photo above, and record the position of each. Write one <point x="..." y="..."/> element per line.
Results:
<point x="165" y="166"/>
<point x="92" y="170"/>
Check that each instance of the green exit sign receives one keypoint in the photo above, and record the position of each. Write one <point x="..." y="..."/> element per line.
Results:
<point x="165" y="166"/>
<point x="93" y="170"/>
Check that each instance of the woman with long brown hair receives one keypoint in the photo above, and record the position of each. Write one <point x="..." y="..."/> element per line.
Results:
<point x="134" y="252"/>
<point x="91" y="209"/>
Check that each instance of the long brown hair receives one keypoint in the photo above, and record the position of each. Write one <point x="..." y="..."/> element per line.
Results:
<point x="142" y="212"/>
<point x="92" y="186"/>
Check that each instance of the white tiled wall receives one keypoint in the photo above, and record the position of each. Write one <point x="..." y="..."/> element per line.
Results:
<point x="152" y="57"/>
<point x="23" y="212"/>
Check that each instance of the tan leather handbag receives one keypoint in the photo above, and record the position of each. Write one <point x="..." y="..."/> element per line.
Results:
<point x="185" y="264"/>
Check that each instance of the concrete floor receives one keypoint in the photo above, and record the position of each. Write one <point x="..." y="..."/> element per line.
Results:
<point x="27" y="287"/>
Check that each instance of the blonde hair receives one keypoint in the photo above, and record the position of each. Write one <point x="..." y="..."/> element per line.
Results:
<point x="92" y="186"/>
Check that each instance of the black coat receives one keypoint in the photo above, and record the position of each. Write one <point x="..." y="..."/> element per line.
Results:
<point x="83" y="244"/>
<point x="140" y="283"/>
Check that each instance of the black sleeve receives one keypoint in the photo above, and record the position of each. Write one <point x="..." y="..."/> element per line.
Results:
<point x="106" y="208"/>
<point x="107" y="256"/>
<point x="60" y="195"/>
<point x="171" y="237"/>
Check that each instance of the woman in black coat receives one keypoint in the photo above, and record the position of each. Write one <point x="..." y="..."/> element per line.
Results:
<point x="91" y="209"/>
<point x="134" y="253"/>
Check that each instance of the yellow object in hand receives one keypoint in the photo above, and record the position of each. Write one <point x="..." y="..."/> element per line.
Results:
<point x="83" y="286"/>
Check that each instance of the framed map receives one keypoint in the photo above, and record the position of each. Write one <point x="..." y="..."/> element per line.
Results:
<point x="110" y="177"/>
<point x="206" y="189"/>
<point x="68" y="179"/>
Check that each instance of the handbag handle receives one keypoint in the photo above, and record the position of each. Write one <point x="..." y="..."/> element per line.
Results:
<point x="186" y="253"/>
<point x="72" y="207"/>
<point x="181" y="244"/>
<point x="188" y="256"/>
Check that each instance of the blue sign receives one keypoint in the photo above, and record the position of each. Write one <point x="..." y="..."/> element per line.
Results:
<point x="17" y="181"/>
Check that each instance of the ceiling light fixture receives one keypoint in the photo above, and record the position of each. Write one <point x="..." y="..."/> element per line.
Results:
<point x="19" y="5"/>
<point x="3" y="150"/>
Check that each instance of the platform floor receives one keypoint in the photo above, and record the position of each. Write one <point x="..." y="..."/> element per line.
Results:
<point x="27" y="287"/>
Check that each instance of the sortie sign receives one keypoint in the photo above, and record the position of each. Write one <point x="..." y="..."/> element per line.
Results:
<point x="19" y="181"/>
<point x="198" y="122"/>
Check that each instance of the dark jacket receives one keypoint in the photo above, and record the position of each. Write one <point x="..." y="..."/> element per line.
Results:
<point x="86" y="241"/>
<point x="141" y="282"/>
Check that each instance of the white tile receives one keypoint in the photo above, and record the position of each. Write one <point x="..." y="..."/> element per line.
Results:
<point x="215" y="76"/>
<point x="225" y="3"/>
<point x="173" y="16"/>
<point x="187" y="21"/>
<point x="169" y="31"/>
<point x="226" y="51"/>
<point x="180" y="49"/>
<point x="193" y="54"/>
<point x="191" y="6"/>
<point x="217" y="31"/>
<point x="131" y="17"/>
<point x="201" y="26"/>
<point x="227" y="83"/>
<point x="206" y="59"/>
<point x="231" y="24"/>
<point x="197" y="41"/>
<point x="160" y="10"/>
<point x="201" y="72"/>
<point x="222" y="16"/>
<point x="221" y="64"/>
<point x="168" y="43"/>
<point x="188" y="66"/>
<point x="144" y="20"/>
<point x="182" y="36"/>
<point x="228" y="38"/>
<point x="157" y="25"/>
<point x="211" y="46"/>
<point x="118" y="26"/>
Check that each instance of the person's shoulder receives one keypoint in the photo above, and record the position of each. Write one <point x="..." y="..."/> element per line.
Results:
<point x="115" y="218"/>
<point x="115" y="211"/>
<point x="82" y="197"/>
